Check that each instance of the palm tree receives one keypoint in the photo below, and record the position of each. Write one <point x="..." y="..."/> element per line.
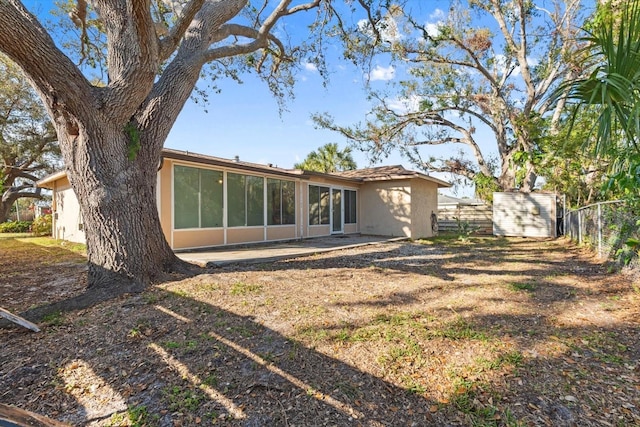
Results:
<point x="328" y="159"/>
<point x="613" y="86"/>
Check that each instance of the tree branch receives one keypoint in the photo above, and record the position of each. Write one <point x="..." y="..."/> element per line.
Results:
<point x="235" y="30"/>
<point x="129" y="29"/>
<point x="65" y="90"/>
<point x="170" y="43"/>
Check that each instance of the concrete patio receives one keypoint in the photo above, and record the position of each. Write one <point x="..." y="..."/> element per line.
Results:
<point x="258" y="253"/>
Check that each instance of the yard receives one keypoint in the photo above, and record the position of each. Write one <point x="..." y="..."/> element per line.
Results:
<point x="488" y="331"/>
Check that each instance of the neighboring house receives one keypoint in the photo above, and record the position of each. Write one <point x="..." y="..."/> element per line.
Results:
<point x="453" y="203"/>
<point x="208" y="201"/>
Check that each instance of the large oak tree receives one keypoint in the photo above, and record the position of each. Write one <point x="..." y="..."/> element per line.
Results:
<point x="481" y="69"/>
<point x="28" y="146"/>
<point x="111" y="134"/>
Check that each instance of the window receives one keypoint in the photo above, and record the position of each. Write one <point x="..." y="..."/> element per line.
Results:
<point x="197" y="197"/>
<point x="245" y="197"/>
<point x="350" y="203"/>
<point x="281" y="202"/>
<point x="318" y="205"/>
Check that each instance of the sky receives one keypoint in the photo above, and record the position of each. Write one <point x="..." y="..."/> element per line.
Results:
<point x="244" y="119"/>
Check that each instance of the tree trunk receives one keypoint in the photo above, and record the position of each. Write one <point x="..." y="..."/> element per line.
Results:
<point x="126" y="247"/>
<point x="5" y="208"/>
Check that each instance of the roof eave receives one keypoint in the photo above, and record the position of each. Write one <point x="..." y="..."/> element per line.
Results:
<point x="47" y="181"/>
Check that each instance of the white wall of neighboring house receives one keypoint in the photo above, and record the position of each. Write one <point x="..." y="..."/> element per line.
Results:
<point x="67" y="219"/>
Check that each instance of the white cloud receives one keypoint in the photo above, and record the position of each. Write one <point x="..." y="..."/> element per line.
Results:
<point x="310" y="67"/>
<point x="388" y="29"/>
<point x="437" y="21"/>
<point x="382" y="73"/>
<point x="404" y="105"/>
<point x="433" y="29"/>
<point x="437" y="15"/>
<point x="501" y="64"/>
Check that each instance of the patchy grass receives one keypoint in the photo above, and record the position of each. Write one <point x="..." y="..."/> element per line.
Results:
<point x="481" y="332"/>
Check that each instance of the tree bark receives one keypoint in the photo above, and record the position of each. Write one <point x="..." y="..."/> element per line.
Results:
<point x="126" y="247"/>
<point x="111" y="136"/>
<point x="5" y="208"/>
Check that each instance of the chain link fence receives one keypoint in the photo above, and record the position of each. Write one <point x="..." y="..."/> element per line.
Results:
<point x="605" y="227"/>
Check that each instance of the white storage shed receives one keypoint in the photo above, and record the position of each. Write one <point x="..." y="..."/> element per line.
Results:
<point x="524" y="214"/>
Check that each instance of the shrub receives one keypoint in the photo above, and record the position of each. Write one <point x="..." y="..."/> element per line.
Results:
<point x="15" y="227"/>
<point x="42" y="225"/>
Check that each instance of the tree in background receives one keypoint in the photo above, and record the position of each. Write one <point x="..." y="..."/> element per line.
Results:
<point x="328" y="159"/>
<point x="569" y="167"/>
<point x="610" y="89"/>
<point x="486" y="66"/>
<point x="152" y="53"/>
<point x="28" y="143"/>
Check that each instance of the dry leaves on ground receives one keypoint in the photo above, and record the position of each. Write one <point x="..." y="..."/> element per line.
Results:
<point x="491" y="331"/>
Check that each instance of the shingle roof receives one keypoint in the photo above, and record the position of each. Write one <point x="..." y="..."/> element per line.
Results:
<point x="219" y="161"/>
<point x="381" y="173"/>
<point x="388" y="173"/>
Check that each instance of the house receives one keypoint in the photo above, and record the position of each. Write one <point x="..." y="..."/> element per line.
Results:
<point x="453" y="203"/>
<point x="207" y="201"/>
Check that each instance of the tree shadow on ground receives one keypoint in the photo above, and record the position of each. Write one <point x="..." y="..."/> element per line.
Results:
<point x="195" y="361"/>
<point x="178" y="360"/>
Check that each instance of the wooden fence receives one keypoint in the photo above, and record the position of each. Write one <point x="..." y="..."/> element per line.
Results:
<point x="477" y="218"/>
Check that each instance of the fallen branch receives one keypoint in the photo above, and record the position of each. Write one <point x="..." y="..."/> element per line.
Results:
<point x="19" y="320"/>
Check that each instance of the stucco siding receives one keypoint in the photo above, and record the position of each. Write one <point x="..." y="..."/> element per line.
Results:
<point x="351" y="228"/>
<point x="67" y="223"/>
<point x="281" y="232"/>
<point x="188" y="239"/>
<point x="245" y="235"/>
<point x="318" y="230"/>
<point x="424" y="202"/>
<point x="165" y="198"/>
<point x="524" y="215"/>
<point x="385" y="208"/>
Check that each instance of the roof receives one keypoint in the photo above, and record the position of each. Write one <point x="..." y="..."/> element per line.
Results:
<point x="444" y="200"/>
<point x="47" y="181"/>
<point x="187" y="156"/>
<point x="382" y="173"/>
<point x="389" y="173"/>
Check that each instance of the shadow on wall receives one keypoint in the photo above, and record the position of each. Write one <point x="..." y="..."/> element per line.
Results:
<point x="524" y="214"/>
<point x="388" y="212"/>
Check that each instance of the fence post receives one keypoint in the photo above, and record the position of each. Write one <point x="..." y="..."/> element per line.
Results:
<point x="600" y="230"/>
<point x="564" y="214"/>
<point x="579" y="227"/>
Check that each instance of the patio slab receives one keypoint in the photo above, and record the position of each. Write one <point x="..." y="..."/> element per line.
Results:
<point x="269" y="252"/>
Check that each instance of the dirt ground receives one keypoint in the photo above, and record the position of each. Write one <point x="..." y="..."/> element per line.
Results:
<point x="488" y="331"/>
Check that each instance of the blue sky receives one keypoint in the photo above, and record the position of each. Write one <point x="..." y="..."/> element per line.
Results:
<point x="244" y="119"/>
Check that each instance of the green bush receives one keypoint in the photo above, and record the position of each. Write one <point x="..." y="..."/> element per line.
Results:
<point x="15" y="227"/>
<point x="41" y="226"/>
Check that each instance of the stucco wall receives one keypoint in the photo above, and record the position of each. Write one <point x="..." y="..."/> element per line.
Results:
<point x="67" y="223"/>
<point x="188" y="239"/>
<point x="165" y="201"/>
<point x="237" y="235"/>
<point x="385" y="208"/>
<point x="281" y="232"/>
<point x="424" y="202"/>
<point x="351" y="228"/>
